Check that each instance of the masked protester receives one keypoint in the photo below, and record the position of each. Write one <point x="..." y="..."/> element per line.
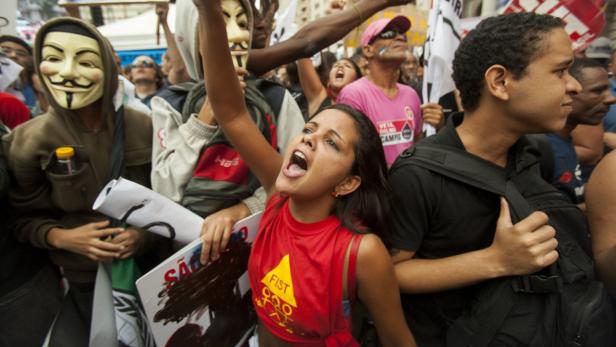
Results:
<point x="53" y="205"/>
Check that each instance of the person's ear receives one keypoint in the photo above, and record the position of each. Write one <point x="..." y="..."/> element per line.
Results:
<point x="498" y="82"/>
<point x="368" y="52"/>
<point x="347" y="185"/>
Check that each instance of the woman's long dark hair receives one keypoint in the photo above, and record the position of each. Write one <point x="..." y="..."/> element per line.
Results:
<point x="367" y="209"/>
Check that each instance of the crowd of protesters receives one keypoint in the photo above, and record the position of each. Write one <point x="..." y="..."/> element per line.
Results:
<point x="381" y="250"/>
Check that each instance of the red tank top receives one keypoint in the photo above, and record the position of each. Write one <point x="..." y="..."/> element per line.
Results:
<point x="296" y="275"/>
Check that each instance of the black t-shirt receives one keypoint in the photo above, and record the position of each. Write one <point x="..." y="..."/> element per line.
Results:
<point x="437" y="217"/>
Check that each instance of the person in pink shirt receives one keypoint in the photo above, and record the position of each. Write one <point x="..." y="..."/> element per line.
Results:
<point x="395" y="109"/>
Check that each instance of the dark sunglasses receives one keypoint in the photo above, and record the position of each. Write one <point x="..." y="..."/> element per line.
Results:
<point x="388" y="35"/>
<point x="143" y="63"/>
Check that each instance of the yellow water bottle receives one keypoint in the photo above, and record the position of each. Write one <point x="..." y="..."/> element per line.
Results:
<point x="66" y="160"/>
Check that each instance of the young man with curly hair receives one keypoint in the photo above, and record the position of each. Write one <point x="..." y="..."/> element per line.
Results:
<point x="448" y="238"/>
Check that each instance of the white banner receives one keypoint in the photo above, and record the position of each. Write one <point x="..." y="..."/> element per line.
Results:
<point x="194" y="305"/>
<point x="444" y="30"/>
<point x="285" y="24"/>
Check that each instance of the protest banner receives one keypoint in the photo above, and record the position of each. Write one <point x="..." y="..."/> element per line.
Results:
<point x="139" y="206"/>
<point x="444" y="30"/>
<point x="189" y="304"/>
<point x="584" y="18"/>
<point x="285" y="24"/>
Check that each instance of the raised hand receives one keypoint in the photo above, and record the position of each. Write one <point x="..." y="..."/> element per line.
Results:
<point x="87" y="240"/>
<point x="161" y="11"/>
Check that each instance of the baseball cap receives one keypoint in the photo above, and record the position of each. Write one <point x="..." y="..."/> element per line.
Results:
<point x="402" y="23"/>
<point x="600" y="48"/>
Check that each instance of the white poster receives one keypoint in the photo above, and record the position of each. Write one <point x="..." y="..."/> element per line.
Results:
<point x="444" y="30"/>
<point x="285" y="24"/>
<point x="139" y="206"/>
<point x="188" y="304"/>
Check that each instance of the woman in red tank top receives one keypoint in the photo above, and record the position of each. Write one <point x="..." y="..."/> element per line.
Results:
<point x="327" y="192"/>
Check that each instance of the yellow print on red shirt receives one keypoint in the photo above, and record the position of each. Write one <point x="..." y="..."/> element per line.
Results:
<point x="277" y="296"/>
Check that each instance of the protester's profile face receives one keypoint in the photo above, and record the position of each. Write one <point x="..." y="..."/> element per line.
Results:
<point x="592" y="104"/>
<point x="540" y="100"/>
<point x="143" y="69"/>
<point x="16" y="52"/>
<point x="238" y="31"/>
<point x="320" y="158"/>
<point x="72" y="69"/>
<point x="341" y="74"/>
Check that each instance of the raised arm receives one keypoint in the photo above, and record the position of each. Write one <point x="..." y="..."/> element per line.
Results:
<point x="226" y="98"/>
<point x="316" y="35"/>
<point x="178" y="73"/>
<point x="311" y="84"/>
<point x="601" y="208"/>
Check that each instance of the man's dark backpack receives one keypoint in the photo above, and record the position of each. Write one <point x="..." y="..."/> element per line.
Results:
<point x="566" y="302"/>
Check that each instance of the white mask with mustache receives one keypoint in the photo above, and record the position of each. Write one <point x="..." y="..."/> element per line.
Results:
<point x="72" y="69"/>
<point x="238" y="31"/>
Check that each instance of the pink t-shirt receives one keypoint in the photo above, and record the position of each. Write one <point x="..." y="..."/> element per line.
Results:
<point x="397" y="120"/>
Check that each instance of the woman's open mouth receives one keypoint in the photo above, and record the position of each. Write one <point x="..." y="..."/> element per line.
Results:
<point x="297" y="165"/>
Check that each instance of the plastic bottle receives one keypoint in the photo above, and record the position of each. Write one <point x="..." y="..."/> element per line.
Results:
<point x="66" y="160"/>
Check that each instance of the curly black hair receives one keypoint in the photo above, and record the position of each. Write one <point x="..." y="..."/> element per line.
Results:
<point x="510" y="40"/>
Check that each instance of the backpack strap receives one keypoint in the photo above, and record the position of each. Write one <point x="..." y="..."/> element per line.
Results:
<point x="469" y="169"/>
